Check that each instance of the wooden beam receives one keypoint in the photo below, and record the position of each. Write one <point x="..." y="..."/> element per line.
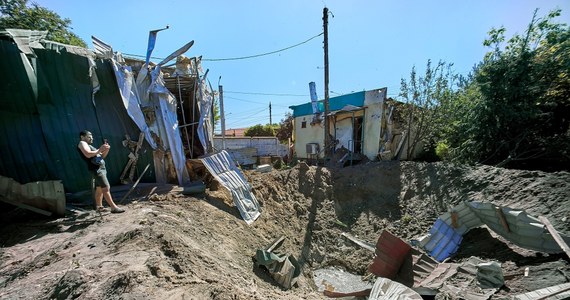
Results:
<point x="134" y="185"/>
<point x="454" y="219"/>
<point x="555" y="235"/>
<point x="502" y="218"/>
<point x="276" y="243"/>
<point x="359" y="242"/>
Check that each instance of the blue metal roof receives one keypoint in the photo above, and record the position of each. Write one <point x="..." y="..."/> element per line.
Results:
<point x="335" y="103"/>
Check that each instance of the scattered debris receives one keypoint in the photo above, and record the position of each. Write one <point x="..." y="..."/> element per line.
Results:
<point x="264" y="168"/>
<point x="490" y="275"/>
<point x="385" y="288"/>
<point x="284" y="268"/>
<point x="336" y="282"/>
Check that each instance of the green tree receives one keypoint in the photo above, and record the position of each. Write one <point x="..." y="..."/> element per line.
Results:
<point x="429" y="99"/>
<point x="285" y="130"/>
<point x="522" y="119"/>
<point x="17" y="14"/>
<point x="261" y="130"/>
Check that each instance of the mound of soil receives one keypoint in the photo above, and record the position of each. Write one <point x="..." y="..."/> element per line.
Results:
<point x="171" y="246"/>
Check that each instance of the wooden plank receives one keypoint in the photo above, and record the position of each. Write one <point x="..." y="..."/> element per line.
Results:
<point x="555" y="235"/>
<point x="134" y="185"/>
<point x="454" y="219"/>
<point x="359" y="242"/>
<point x="276" y="243"/>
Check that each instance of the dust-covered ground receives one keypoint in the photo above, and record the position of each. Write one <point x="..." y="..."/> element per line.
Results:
<point x="171" y="246"/>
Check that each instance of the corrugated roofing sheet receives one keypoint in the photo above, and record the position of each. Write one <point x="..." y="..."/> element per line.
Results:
<point x="224" y="169"/>
<point x="557" y="292"/>
<point x="444" y="240"/>
<point x="387" y="289"/>
<point x="513" y="224"/>
<point x="335" y="103"/>
<point x="391" y="252"/>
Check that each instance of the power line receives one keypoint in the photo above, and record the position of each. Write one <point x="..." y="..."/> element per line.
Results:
<point x="256" y="102"/>
<point x="263" y="54"/>
<point x="266" y="94"/>
<point x="238" y="58"/>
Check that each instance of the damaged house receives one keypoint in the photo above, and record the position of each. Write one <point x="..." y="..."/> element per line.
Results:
<point x="153" y="115"/>
<point x="364" y="123"/>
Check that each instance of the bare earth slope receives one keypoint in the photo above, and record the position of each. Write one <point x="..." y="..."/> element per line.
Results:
<point x="171" y="246"/>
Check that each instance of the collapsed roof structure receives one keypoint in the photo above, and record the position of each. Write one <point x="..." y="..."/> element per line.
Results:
<point x="51" y="91"/>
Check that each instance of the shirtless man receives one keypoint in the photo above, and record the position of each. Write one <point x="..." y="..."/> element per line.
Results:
<point x="98" y="171"/>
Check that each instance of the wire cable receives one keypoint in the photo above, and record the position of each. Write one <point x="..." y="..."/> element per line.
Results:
<point x="239" y="58"/>
<point x="266" y="94"/>
<point x="263" y="54"/>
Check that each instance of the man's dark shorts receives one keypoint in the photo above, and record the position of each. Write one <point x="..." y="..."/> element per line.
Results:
<point x="100" y="179"/>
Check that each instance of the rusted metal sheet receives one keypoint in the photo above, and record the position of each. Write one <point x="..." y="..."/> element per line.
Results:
<point x="391" y="252"/>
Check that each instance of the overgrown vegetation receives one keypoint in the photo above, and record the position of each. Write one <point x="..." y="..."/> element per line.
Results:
<point x="283" y="131"/>
<point x="512" y="110"/>
<point x="261" y="130"/>
<point x="17" y="14"/>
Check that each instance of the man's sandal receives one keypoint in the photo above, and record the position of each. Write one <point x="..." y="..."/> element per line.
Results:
<point x="117" y="210"/>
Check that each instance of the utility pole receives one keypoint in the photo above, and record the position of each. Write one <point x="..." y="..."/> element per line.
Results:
<point x="326" y="48"/>
<point x="222" y="116"/>
<point x="270" y="123"/>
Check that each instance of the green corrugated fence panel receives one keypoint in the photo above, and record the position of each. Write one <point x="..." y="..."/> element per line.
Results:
<point x="39" y="136"/>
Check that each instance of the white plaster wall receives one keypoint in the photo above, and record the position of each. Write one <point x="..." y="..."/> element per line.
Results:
<point x="309" y="134"/>
<point x="374" y="102"/>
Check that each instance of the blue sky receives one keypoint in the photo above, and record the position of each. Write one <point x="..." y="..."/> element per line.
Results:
<point x="372" y="44"/>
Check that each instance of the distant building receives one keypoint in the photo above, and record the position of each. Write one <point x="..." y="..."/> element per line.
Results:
<point x="236" y="132"/>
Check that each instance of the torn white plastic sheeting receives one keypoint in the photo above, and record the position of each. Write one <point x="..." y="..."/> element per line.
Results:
<point x="223" y="168"/>
<point x="205" y="101"/>
<point x="169" y="117"/>
<point x="127" y="87"/>
<point x="386" y="289"/>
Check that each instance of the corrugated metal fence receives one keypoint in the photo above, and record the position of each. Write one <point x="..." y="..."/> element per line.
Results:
<point x="39" y="135"/>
